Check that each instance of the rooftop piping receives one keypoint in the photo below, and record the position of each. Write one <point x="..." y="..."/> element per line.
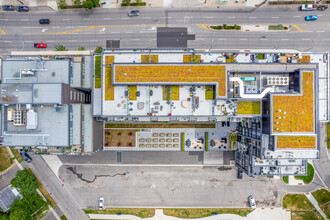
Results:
<point x="249" y="96"/>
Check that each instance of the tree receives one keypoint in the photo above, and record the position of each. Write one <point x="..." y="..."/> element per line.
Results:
<point x="126" y="1"/>
<point x="4" y="217"/>
<point x="81" y="48"/>
<point x="98" y="49"/>
<point x="77" y="3"/>
<point x="62" y="4"/>
<point x="60" y="47"/>
<point x="90" y="4"/>
<point x="26" y="181"/>
<point x="19" y="214"/>
<point x="139" y="1"/>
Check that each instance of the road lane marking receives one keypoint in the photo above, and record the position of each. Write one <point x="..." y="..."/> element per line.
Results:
<point x="107" y="18"/>
<point x="274" y="17"/>
<point x="7" y="41"/>
<point x="263" y="39"/>
<point x="25" y="19"/>
<point x="298" y="28"/>
<point x="284" y="39"/>
<point x="76" y="31"/>
<point x="50" y="41"/>
<point x="298" y="16"/>
<point x="252" y="17"/>
<point x="4" y="33"/>
<point x="28" y="41"/>
<point x="72" y="40"/>
<point x="203" y="26"/>
<point x="66" y="19"/>
<point x="209" y="17"/>
<point x="146" y="18"/>
<point x="3" y="19"/>
<point x="221" y="39"/>
<point x="243" y="39"/>
<point x="320" y="31"/>
<point x="231" y="17"/>
<point x="87" y="19"/>
<point x="305" y="39"/>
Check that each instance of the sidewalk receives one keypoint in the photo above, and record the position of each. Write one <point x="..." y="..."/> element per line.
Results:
<point x="149" y="3"/>
<point x="257" y="214"/>
<point x="315" y="204"/>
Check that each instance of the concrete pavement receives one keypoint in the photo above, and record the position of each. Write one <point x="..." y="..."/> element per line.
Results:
<point x="315" y="204"/>
<point x="257" y="214"/>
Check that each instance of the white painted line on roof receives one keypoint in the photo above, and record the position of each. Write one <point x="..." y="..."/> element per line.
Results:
<point x="252" y="17"/>
<point x="297" y="16"/>
<point x="274" y="17"/>
<point x="25" y="19"/>
<point x="305" y="39"/>
<point x="284" y="39"/>
<point x="243" y="39"/>
<point x="231" y="17"/>
<point x="50" y="41"/>
<point x="66" y="19"/>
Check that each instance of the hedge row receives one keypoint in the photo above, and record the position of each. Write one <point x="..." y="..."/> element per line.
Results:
<point x="134" y="4"/>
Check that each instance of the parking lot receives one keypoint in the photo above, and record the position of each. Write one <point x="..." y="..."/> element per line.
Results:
<point x="167" y="186"/>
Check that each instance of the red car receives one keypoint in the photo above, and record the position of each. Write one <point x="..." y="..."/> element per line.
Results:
<point x="40" y="45"/>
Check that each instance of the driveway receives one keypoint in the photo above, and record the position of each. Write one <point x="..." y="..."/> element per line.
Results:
<point x="8" y="176"/>
<point x="170" y="186"/>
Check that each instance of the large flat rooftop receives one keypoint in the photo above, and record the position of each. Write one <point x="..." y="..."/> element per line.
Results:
<point x="295" y="112"/>
<point x="171" y="73"/>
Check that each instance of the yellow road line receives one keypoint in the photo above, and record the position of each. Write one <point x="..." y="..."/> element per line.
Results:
<point x="203" y="26"/>
<point x="298" y="28"/>
<point x="93" y="27"/>
<point x="2" y="32"/>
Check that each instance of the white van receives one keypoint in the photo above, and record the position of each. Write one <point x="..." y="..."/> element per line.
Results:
<point x="307" y="7"/>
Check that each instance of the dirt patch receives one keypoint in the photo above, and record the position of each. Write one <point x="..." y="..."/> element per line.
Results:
<point x="119" y="137"/>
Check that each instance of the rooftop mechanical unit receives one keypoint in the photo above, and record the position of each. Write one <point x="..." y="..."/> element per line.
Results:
<point x="19" y="117"/>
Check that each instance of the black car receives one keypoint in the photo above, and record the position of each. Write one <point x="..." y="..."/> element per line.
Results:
<point x="44" y="21"/>
<point x="22" y="8"/>
<point x="239" y="173"/>
<point x="26" y="157"/>
<point x="8" y="8"/>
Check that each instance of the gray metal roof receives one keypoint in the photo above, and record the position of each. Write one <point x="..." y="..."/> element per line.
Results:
<point x="50" y="71"/>
<point x="52" y="130"/>
<point x="7" y="197"/>
<point x="47" y="93"/>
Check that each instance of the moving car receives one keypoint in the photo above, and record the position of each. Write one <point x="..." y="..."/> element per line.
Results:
<point x="311" y="17"/>
<point x="307" y="7"/>
<point x="44" y="21"/>
<point x="252" y="202"/>
<point x="101" y="203"/>
<point x="40" y="45"/>
<point x="239" y="173"/>
<point x="133" y="13"/>
<point x="25" y="156"/>
<point x="22" y="8"/>
<point x="8" y="7"/>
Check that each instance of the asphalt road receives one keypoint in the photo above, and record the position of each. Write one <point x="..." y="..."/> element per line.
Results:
<point x="172" y="186"/>
<point x="74" y="28"/>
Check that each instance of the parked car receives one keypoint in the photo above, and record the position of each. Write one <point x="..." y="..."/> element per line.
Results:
<point x="101" y="203"/>
<point x="239" y="173"/>
<point x="44" y="21"/>
<point x="22" y="8"/>
<point x="307" y="7"/>
<point x="133" y="13"/>
<point x="8" y="7"/>
<point x="252" y="202"/>
<point x="26" y="157"/>
<point x="311" y="17"/>
<point x="40" y="45"/>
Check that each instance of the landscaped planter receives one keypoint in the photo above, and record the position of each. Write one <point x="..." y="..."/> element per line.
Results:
<point x="225" y="27"/>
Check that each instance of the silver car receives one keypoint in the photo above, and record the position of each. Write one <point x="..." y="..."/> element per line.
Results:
<point x="133" y="13"/>
<point x="252" y="202"/>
